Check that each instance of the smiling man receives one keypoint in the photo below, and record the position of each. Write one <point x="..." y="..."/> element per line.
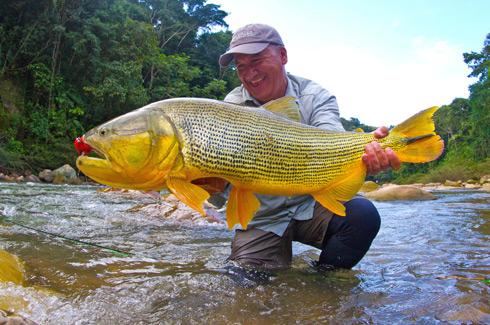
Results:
<point x="260" y="59"/>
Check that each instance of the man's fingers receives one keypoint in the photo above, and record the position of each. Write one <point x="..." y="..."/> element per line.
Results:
<point x="381" y="132"/>
<point x="395" y="162"/>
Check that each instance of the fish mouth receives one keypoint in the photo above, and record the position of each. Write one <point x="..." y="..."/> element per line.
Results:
<point x="100" y="170"/>
<point x="84" y="148"/>
<point x="98" y="165"/>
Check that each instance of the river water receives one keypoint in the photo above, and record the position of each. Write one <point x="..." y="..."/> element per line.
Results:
<point x="429" y="264"/>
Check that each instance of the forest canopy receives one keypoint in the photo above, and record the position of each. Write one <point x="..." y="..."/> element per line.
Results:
<point x="67" y="66"/>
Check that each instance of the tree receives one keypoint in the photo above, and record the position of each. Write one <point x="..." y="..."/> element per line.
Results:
<point x="480" y="99"/>
<point x="80" y="63"/>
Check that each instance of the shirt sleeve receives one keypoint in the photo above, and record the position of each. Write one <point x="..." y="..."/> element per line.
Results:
<point x="325" y="111"/>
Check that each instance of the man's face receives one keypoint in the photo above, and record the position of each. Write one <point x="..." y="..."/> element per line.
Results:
<point x="263" y="74"/>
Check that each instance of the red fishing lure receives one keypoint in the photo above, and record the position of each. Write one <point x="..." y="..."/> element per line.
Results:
<point x="82" y="147"/>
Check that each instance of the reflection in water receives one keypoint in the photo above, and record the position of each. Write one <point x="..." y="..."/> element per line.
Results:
<point x="429" y="264"/>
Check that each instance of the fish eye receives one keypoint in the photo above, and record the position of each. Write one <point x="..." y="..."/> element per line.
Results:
<point x="103" y="131"/>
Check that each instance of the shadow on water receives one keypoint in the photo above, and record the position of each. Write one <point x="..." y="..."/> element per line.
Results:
<point x="429" y="264"/>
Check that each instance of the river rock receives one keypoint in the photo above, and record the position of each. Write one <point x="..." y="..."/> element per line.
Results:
<point x="10" y="268"/>
<point x="486" y="187"/>
<point x="400" y="192"/>
<point x="6" y="178"/>
<point x="11" y="318"/>
<point x="170" y="207"/>
<point x="433" y="184"/>
<point x="485" y="179"/>
<point x="65" y="175"/>
<point x="452" y="184"/>
<point x="46" y="176"/>
<point x="368" y="186"/>
<point x="472" y="186"/>
<point x="32" y="178"/>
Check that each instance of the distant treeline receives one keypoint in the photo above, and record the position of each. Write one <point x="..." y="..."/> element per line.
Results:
<point x="465" y="127"/>
<point x="67" y="66"/>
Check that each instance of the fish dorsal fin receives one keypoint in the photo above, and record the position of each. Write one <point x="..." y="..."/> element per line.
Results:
<point x="285" y="107"/>
<point x="241" y="207"/>
<point x="342" y="189"/>
<point x="359" y="130"/>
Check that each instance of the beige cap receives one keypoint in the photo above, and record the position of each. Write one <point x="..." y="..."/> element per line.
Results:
<point x="250" y="39"/>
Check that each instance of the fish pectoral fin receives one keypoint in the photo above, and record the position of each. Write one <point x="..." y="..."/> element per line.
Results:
<point x="343" y="189"/>
<point x="242" y="205"/>
<point x="192" y="195"/>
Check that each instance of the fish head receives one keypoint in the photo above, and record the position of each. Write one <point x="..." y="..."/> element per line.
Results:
<point x="137" y="150"/>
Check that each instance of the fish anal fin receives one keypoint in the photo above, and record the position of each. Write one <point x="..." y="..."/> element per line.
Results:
<point x="330" y="202"/>
<point x="192" y="195"/>
<point x="232" y="209"/>
<point x="342" y="189"/>
<point x="285" y="107"/>
<point x="241" y="207"/>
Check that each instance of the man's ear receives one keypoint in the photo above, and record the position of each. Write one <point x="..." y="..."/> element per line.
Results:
<point x="284" y="55"/>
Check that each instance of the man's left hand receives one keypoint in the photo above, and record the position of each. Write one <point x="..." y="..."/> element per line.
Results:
<point x="377" y="159"/>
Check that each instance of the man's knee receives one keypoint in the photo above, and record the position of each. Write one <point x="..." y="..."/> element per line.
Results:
<point x="348" y="238"/>
<point x="359" y="226"/>
<point x="363" y="215"/>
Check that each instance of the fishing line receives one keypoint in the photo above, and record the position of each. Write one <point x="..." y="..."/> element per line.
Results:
<point x="14" y="221"/>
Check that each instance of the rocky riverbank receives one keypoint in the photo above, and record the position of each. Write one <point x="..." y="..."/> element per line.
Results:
<point x="392" y="192"/>
<point x="63" y="175"/>
<point x="67" y="175"/>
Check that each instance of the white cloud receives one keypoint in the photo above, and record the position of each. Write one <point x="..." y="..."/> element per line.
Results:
<point x="382" y="90"/>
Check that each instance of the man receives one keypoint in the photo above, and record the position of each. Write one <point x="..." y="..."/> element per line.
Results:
<point x="260" y="59"/>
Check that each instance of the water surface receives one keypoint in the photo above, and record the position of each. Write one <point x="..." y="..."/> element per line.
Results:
<point x="429" y="264"/>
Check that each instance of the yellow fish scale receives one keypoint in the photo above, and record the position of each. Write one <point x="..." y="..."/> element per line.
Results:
<point x="257" y="149"/>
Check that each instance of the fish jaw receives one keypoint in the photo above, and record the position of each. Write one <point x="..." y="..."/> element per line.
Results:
<point x="100" y="171"/>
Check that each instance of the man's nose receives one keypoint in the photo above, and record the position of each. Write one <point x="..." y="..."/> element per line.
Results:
<point x="250" y="72"/>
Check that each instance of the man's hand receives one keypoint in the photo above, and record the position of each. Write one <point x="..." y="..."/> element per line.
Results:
<point x="376" y="159"/>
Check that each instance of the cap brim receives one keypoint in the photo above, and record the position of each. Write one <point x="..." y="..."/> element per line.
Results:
<point x="249" y="48"/>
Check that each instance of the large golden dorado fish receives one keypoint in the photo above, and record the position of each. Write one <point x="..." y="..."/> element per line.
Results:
<point x="170" y="143"/>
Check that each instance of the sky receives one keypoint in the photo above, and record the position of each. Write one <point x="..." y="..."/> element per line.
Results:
<point x="383" y="60"/>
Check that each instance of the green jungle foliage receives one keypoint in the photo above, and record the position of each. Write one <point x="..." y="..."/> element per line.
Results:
<point x="67" y="66"/>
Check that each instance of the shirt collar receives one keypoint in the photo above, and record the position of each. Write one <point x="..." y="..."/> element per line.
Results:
<point x="289" y="92"/>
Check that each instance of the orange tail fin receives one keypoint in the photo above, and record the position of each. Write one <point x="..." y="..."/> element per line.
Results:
<point x="424" y="144"/>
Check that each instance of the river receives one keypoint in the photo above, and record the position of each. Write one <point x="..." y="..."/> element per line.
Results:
<point x="429" y="264"/>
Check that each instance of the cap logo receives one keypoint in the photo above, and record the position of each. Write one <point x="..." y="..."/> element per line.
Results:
<point x="245" y="33"/>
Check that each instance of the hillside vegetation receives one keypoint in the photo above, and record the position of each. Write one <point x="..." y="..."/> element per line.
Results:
<point x="67" y="66"/>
